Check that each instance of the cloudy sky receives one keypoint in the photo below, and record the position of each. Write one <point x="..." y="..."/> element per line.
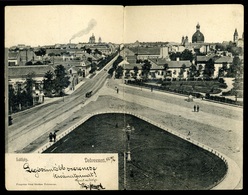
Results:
<point x="43" y="25"/>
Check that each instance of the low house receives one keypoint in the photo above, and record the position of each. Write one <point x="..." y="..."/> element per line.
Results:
<point x="21" y="57"/>
<point x="173" y="70"/>
<point x="85" y="67"/>
<point x="131" y="70"/>
<point x="14" y="58"/>
<point x="219" y="62"/>
<point x="17" y="79"/>
<point x="224" y="61"/>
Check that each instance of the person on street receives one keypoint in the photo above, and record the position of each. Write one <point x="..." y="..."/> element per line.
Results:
<point x="194" y="108"/>
<point x="197" y="108"/>
<point x="54" y="136"/>
<point x="50" y="136"/>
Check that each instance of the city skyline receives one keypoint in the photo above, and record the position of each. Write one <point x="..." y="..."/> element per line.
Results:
<point x="48" y="25"/>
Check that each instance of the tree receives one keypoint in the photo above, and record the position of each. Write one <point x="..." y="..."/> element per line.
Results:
<point x="192" y="71"/>
<point x="29" y="63"/>
<point x="61" y="79"/>
<point x="236" y="67"/>
<point x="174" y="56"/>
<point x="135" y="70"/>
<point x="222" y="70"/>
<point x="111" y="71"/>
<point x="12" y="98"/>
<point x="166" y="68"/>
<point x="182" y="70"/>
<point x="146" y="68"/>
<point x="40" y="52"/>
<point x="209" y="68"/>
<point x="88" y="50"/>
<point x="29" y="88"/>
<point x="186" y="55"/>
<point x="96" y="51"/>
<point x="48" y="83"/>
<point x="93" y="68"/>
<point x="38" y="63"/>
<point x="119" y="72"/>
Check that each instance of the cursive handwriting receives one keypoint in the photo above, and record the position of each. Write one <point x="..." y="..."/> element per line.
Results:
<point x="90" y="186"/>
<point x="62" y="175"/>
<point x="54" y="168"/>
<point x="111" y="158"/>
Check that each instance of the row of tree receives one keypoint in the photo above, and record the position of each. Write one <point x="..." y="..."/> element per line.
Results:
<point x="235" y="70"/>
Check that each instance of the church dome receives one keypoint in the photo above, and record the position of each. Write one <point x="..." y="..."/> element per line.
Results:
<point x="198" y="37"/>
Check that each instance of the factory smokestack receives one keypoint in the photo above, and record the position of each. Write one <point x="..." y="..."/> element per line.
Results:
<point x="92" y="23"/>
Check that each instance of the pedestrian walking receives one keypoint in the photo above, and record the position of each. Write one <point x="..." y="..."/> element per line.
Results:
<point x="54" y="136"/>
<point x="197" y="108"/>
<point x="188" y="136"/>
<point x="117" y="90"/>
<point x="50" y="136"/>
<point x="151" y="89"/>
<point x="194" y="108"/>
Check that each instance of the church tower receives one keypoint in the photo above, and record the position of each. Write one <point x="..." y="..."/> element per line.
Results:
<point x="235" y="36"/>
<point x="198" y="37"/>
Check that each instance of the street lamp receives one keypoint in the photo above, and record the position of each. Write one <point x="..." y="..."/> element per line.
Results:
<point x="127" y="150"/>
<point x="128" y="134"/>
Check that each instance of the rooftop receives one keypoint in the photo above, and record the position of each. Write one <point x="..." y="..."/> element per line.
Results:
<point x="23" y="71"/>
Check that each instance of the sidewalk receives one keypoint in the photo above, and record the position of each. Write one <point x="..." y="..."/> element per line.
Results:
<point x="68" y="91"/>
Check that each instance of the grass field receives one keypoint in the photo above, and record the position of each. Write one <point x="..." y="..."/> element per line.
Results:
<point x="159" y="160"/>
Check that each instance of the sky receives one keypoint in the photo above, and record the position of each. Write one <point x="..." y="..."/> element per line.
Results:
<point x="51" y="24"/>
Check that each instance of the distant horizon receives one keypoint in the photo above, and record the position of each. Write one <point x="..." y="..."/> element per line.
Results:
<point x="111" y="42"/>
<point x="60" y="24"/>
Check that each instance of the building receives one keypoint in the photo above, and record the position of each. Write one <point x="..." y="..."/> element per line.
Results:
<point x="173" y="71"/>
<point x="21" y="57"/>
<point x="17" y="79"/>
<point x="235" y="36"/>
<point x="198" y="37"/>
<point x="144" y="53"/>
<point x="238" y="41"/>
<point x="92" y="39"/>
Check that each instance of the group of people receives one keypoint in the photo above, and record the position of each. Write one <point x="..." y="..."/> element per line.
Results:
<point x="52" y="136"/>
<point x="196" y="108"/>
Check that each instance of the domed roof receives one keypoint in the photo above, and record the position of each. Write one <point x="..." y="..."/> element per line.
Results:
<point x="198" y="37"/>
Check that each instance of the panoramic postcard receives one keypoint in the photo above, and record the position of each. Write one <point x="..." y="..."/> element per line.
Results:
<point x="111" y="97"/>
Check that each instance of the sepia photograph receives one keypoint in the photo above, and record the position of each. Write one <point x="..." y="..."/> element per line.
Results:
<point x="113" y="97"/>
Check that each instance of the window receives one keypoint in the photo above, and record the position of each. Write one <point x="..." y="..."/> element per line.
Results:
<point x="36" y="86"/>
<point x="12" y="63"/>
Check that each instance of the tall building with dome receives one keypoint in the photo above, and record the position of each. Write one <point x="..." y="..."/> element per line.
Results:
<point x="92" y="39"/>
<point x="198" y="37"/>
